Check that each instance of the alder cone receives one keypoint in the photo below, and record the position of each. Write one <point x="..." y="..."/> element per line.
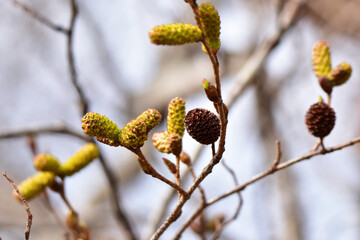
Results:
<point x="320" y="119"/>
<point x="202" y="125"/>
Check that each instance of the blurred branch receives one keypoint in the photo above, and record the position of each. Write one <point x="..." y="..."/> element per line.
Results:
<point x="27" y="208"/>
<point x="238" y="208"/>
<point x="246" y="74"/>
<point x="121" y="217"/>
<point x="42" y="129"/>
<point x="40" y="18"/>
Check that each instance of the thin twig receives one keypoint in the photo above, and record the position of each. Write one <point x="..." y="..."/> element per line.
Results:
<point x="222" y="225"/>
<point x="58" y="128"/>
<point x="157" y="175"/>
<point x="71" y="59"/>
<point x="40" y="18"/>
<point x="27" y="208"/>
<point x="275" y="167"/>
<point x="282" y="166"/>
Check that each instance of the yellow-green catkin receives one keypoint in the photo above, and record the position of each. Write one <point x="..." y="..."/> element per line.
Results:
<point x="175" y="34"/>
<point x="210" y="21"/>
<point x="135" y="133"/>
<point x="321" y="59"/>
<point x="161" y="142"/>
<point x="176" y="116"/>
<point x="80" y="159"/>
<point x="101" y="127"/>
<point x="340" y="74"/>
<point x="47" y="162"/>
<point x="34" y="185"/>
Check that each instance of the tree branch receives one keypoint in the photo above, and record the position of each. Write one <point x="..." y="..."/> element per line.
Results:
<point x="27" y="208"/>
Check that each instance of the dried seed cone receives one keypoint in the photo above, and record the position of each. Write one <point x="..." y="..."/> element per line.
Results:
<point x="80" y="159"/>
<point x="320" y="119"/>
<point x="135" y="133"/>
<point x="321" y="59"/>
<point x="34" y="185"/>
<point x="340" y="74"/>
<point x="210" y="21"/>
<point x="46" y="162"/>
<point x="101" y="127"/>
<point x="176" y="115"/>
<point x="175" y="34"/>
<point x="202" y="125"/>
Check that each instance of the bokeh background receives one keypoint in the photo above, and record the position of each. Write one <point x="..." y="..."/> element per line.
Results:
<point x="122" y="74"/>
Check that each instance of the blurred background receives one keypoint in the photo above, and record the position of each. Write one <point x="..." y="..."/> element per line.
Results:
<point x="122" y="74"/>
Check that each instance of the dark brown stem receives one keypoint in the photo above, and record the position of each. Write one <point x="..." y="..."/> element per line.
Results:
<point x="27" y="208"/>
<point x="157" y="175"/>
<point x="177" y="174"/>
<point x="71" y="61"/>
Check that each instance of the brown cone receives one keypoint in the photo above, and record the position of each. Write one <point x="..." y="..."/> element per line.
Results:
<point x="202" y="125"/>
<point x="320" y="119"/>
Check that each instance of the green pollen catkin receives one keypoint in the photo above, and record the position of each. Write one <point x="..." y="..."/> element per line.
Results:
<point x="210" y="21"/>
<point x="135" y="133"/>
<point x="176" y="116"/>
<point x="80" y="159"/>
<point x="34" y="185"/>
<point x="46" y="162"/>
<point x="101" y="127"/>
<point x="175" y="34"/>
<point x="321" y="59"/>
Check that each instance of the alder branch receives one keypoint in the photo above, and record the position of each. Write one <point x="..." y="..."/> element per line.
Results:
<point x="246" y="74"/>
<point x="58" y="128"/>
<point x="275" y="167"/>
<point x="27" y="208"/>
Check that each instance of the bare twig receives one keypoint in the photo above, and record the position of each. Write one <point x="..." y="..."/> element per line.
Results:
<point x="275" y="167"/>
<point x="58" y="128"/>
<point x="282" y="166"/>
<point x="71" y="61"/>
<point x="27" y="208"/>
<point x="40" y="18"/>
<point x="157" y="175"/>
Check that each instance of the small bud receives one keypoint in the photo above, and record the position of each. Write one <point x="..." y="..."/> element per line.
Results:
<point x="202" y="125"/>
<point x="321" y="59"/>
<point x="210" y="21"/>
<point x="80" y="159"/>
<point x="101" y="127"/>
<point x="135" y="133"/>
<point x="145" y="168"/>
<point x="211" y="91"/>
<point x="171" y="166"/>
<point x="175" y="34"/>
<point x="46" y="162"/>
<point x="175" y="143"/>
<point x="320" y="119"/>
<point x="34" y="185"/>
<point x="325" y="84"/>
<point x="340" y="74"/>
<point x="176" y="115"/>
<point x="185" y="158"/>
